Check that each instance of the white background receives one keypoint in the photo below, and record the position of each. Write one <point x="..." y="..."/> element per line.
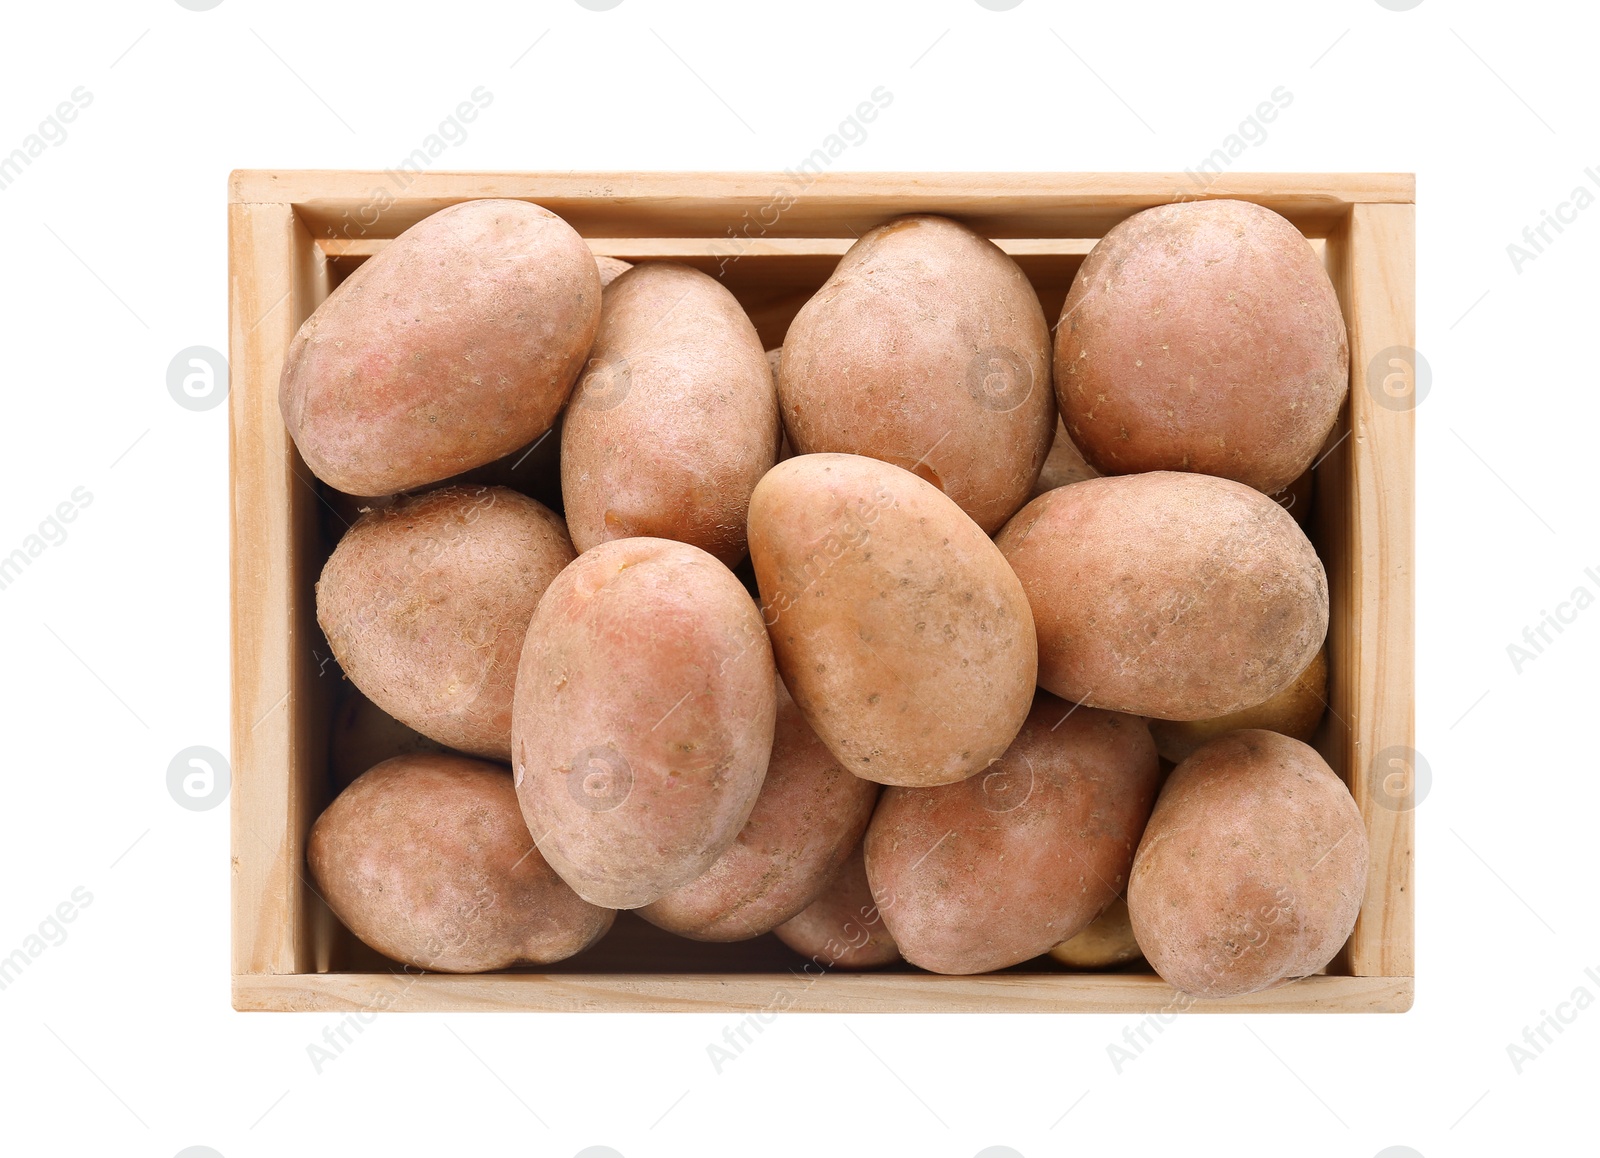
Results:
<point x="120" y="1040"/>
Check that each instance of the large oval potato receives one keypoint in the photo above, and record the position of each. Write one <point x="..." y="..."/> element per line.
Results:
<point x="675" y="419"/>
<point x="842" y="929"/>
<point x="1002" y="867"/>
<point x="1251" y="870"/>
<point x="425" y="603"/>
<point x="427" y="860"/>
<point x="1179" y="596"/>
<point x="1295" y="711"/>
<point x="1202" y="336"/>
<point x="927" y="348"/>
<point x="809" y="817"/>
<point x="897" y="626"/>
<point x="455" y="345"/>
<point x="644" y="717"/>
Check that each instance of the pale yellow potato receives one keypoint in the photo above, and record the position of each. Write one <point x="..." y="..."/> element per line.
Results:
<point x="1105" y="943"/>
<point x="1296" y="711"/>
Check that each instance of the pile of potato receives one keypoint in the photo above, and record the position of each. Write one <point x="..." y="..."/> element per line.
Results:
<point x="852" y="642"/>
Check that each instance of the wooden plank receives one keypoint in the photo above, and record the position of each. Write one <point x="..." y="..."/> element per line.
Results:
<point x="275" y="277"/>
<point x="669" y="248"/>
<point x="1382" y="288"/>
<point x="355" y="205"/>
<point x="797" y="993"/>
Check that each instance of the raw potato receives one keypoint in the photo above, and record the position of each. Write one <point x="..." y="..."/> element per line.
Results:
<point x="842" y="929"/>
<point x="610" y="269"/>
<point x="364" y="735"/>
<point x="810" y="815"/>
<point x="1251" y="870"/>
<point x="644" y="719"/>
<point x="675" y="419"/>
<point x="1002" y="867"/>
<point x="1065" y="464"/>
<point x="927" y="348"/>
<point x="1104" y="943"/>
<point x="1296" y="711"/>
<point x="897" y="626"/>
<point x="1178" y="596"/>
<point x="425" y="603"/>
<point x="455" y="345"/>
<point x="1202" y="336"/>
<point x="426" y="859"/>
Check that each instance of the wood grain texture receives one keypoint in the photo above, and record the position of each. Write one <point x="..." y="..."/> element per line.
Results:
<point x="354" y="205"/>
<point x="788" y="992"/>
<point x="275" y="278"/>
<point x="1382" y="261"/>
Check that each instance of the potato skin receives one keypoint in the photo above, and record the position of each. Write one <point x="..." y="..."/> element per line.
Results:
<point x="842" y="928"/>
<point x="675" y="419"/>
<point x="1251" y="870"/>
<point x="1295" y="711"/>
<point x="644" y="716"/>
<point x="610" y="269"/>
<point x="455" y="345"/>
<point x="1104" y="943"/>
<point x="1178" y="596"/>
<point x="1202" y="336"/>
<point x="898" y="628"/>
<point x="427" y="860"/>
<point x="927" y="348"/>
<point x="425" y="603"/>
<point x="1001" y="867"/>
<point x="809" y="817"/>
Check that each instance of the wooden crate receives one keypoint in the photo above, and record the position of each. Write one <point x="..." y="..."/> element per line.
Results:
<point x="773" y="239"/>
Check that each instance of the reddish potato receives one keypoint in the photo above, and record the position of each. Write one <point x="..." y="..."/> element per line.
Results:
<point x="1000" y="868"/>
<point x="455" y="345"/>
<point x="425" y="602"/>
<point x="810" y="815"/>
<point x="842" y="929"/>
<point x="1251" y="870"/>
<point x="927" y="348"/>
<point x="899" y="629"/>
<point x="644" y="717"/>
<point x="674" y="421"/>
<point x="1179" y="596"/>
<point x="426" y="859"/>
<point x="1202" y="336"/>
